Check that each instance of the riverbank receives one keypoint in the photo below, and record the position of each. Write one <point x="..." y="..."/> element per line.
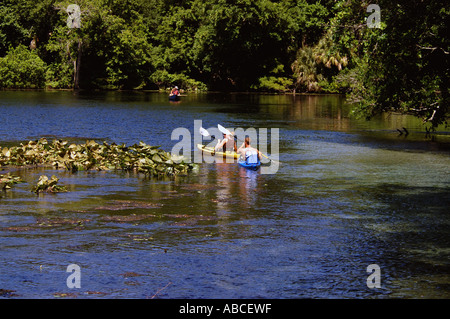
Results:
<point x="168" y="89"/>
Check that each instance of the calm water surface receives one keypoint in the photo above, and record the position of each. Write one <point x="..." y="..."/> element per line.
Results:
<point x="348" y="193"/>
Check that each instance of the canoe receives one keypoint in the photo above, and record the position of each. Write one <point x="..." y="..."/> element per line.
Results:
<point x="210" y="151"/>
<point x="253" y="167"/>
<point x="174" y="97"/>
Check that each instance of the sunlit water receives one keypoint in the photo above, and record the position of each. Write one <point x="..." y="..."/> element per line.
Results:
<point x="348" y="194"/>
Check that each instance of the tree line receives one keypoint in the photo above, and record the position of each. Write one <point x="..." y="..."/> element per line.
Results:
<point x="241" y="45"/>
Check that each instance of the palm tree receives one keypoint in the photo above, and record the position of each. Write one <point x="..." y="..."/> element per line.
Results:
<point x="311" y="63"/>
<point x="304" y="68"/>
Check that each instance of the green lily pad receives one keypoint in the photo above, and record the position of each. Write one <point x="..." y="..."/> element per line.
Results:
<point x="8" y="180"/>
<point x="156" y="158"/>
<point x="45" y="184"/>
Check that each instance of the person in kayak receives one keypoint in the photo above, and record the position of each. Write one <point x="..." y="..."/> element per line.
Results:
<point x="227" y="144"/>
<point x="250" y="154"/>
<point x="175" y="91"/>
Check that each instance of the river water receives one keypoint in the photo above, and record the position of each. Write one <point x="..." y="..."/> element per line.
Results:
<point x="347" y="194"/>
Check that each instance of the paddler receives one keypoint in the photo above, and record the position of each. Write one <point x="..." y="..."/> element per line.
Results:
<point x="175" y="91"/>
<point x="250" y="154"/>
<point x="227" y="144"/>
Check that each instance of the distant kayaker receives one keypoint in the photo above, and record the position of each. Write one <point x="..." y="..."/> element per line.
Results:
<point x="227" y="144"/>
<point x="250" y="154"/>
<point x="175" y="91"/>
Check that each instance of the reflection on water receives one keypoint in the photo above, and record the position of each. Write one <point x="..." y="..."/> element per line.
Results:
<point x="347" y="194"/>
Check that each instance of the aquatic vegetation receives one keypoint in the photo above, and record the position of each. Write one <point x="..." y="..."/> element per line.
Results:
<point x="127" y="204"/>
<point x="8" y="180"/>
<point x="48" y="185"/>
<point x="64" y="295"/>
<point x="47" y="222"/>
<point x="8" y="293"/>
<point x="126" y="218"/>
<point x="150" y="160"/>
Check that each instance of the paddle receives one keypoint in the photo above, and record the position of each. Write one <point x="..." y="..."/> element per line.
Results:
<point x="225" y="131"/>
<point x="206" y="133"/>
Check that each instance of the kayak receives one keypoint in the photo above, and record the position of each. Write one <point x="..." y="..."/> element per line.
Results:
<point x="210" y="151"/>
<point x="253" y="167"/>
<point x="174" y="97"/>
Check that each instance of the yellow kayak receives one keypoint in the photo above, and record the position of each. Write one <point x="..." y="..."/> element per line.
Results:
<point x="210" y="151"/>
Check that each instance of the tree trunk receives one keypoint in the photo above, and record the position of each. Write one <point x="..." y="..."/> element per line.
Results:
<point x="76" y="67"/>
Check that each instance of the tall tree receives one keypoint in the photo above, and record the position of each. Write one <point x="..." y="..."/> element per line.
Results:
<point x="12" y="33"/>
<point x="403" y="66"/>
<point x="107" y="50"/>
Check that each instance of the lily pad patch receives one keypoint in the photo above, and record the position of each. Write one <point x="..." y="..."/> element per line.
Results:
<point x="143" y="158"/>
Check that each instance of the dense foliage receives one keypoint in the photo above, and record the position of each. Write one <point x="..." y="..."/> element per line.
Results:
<point x="402" y="66"/>
<point x="22" y="68"/>
<point x="260" y="45"/>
